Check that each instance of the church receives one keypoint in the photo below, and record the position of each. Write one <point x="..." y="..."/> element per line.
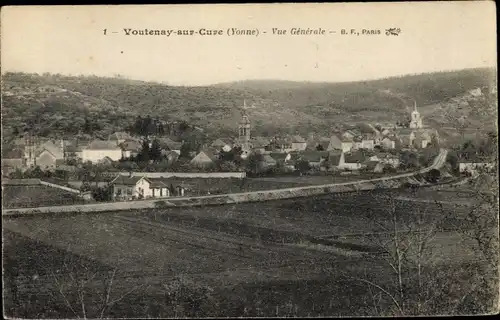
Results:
<point x="416" y="136"/>
<point x="243" y="139"/>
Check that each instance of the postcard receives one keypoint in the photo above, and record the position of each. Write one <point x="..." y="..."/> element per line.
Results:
<point x="250" y="160"/>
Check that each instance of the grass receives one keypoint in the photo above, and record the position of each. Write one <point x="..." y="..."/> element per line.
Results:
<point x="254" y="259"/>
<point x="37" y="196"/>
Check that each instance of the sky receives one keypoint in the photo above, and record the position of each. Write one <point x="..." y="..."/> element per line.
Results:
<point x="70" y="40"/>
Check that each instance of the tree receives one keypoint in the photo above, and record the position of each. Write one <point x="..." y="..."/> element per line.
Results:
<point x="233" y="155"/>
<point x="433" y="175"/>
<point x="254" y="163"/>
<point x="478" y="222"/>
<point x="79" y="284"/>
<point x="144" y="154"/>
<point x="303" y="166"/>
<point x="404" y="242"/>
<point x="155" y="151"/>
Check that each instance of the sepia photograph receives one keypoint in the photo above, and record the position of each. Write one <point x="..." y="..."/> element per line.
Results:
<point x="249" y="160"/>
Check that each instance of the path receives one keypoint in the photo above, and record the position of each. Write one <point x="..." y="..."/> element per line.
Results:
<point x="253" y="196"/>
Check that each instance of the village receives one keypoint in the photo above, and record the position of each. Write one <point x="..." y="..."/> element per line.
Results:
<point x="129" y="166"/>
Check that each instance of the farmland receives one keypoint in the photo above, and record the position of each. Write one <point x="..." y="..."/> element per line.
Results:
<point x="36" y="196"/>
<point x="287" y="257"/>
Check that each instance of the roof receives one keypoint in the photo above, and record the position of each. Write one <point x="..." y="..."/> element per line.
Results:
<point x="158" y="182"/>
<point x="211" y="154"/>
<point x="102" y="145"/>
<point x="334" y="158"/>
<point x="131" y="145"/>
<point x="125" y="180"/>
<point x="281" y="141"/>
<point x="13" y="154"/>
<point x="355" y="157"/>
<point x="268" y="159"/>
<point x="169" y="144"/>
<point x="220" y="143"/>
<point x="259" y="143"/>
<point x="73" y="148"/>
<point x="171" y="153"/>
<point x="298" y="139"/>
<point x="278" y="156"/>
<point x="335" y="143"/>
<point x="314" y="156"/>
<point x="119" y="136"/>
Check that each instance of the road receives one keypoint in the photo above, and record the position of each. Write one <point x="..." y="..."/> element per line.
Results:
<point x="242" y="197"/>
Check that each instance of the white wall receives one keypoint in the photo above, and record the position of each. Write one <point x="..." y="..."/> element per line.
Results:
<point x="346" y="146"/>
<point x="368" y="144"/>
<point x="299" y="146"/>
<point x="96" y="155"/>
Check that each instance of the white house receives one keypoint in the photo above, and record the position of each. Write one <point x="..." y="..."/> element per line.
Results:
<point x="99" y="149"/>
<point x="128" y="188"/>
<point x="388" y="143"/>
<point x="298" y="143"/>
<point x="474" y="167"/>
<point x="368" y="144"/>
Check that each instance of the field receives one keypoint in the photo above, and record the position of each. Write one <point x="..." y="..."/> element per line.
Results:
<point x="295" y="257"/>
<point x="36" y="196"/>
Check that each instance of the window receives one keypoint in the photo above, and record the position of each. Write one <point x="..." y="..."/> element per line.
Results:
<point x="129" y="191"/>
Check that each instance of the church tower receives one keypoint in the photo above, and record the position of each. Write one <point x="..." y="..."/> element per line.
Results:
<point x="416" y="120"/>
<point x="244" y="130"/>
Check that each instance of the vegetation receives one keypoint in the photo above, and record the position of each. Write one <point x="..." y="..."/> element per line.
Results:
<point x="58" y="106"/>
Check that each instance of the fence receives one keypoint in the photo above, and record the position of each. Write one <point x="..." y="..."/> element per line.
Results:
<point x="239" y="175"/>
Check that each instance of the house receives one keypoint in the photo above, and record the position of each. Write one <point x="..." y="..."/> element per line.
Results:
<point x="315" y="158"/>
<point x="268" y="161"/>
<point x="13" y="159"/>
<point x="368" y="141"/>
<point x="333" y="160"/>
<point x="388" y="143"/>
<point x="282" y="145"/>
<point x="106" y="161"/>
<point x="335" y="143"/>
<point x="222" y="144"/>
<point x="204" y="158"/>
<point x="389" y="159"/>
<point x="476" y="92"/>
<point x="119" y="137"/>
<point x="135" y="187"/>
<point x="73" y="152"/>
<point x="352" y="161"/>
<point x="46" y="160"/>
<point x="99" y="149"/>
<point x="130" y="148"/>
<point x="260" y="144"/>
<point x="283" y="159"/>
<point x="298" y="143"/>
<point x="473" y="164"/>
<point x="170" y="145"/>
<point x="171" y="156"/>
<point x="348" y="135"/>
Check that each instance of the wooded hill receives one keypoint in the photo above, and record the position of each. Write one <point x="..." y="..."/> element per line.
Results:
<point x="57" y="104"/>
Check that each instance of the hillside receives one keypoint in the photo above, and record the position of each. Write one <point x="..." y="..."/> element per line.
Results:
<point x="54" y="104"/>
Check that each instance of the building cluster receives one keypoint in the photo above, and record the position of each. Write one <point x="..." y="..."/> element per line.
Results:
<point x="361" y="146"/>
